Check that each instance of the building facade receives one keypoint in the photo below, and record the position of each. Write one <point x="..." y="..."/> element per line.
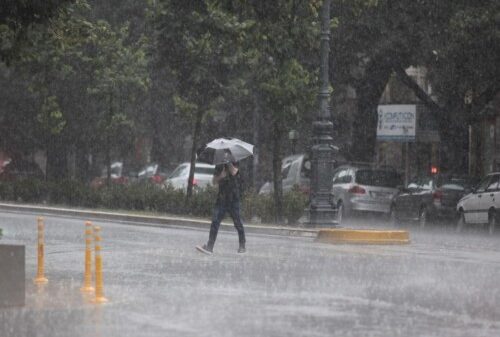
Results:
<point x="420" y="155"/>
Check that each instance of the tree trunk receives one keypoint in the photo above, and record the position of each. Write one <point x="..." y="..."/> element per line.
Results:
<point x="196" y="136"/>
<point x="108" y="141"/>
<point x="57" y="167"/>
<point x="454" y="139"/>
<point x="256" y="112"/>
<point x="277" y="179"/>
<point x="368" y="90"/>
<point x="82" y="172"/>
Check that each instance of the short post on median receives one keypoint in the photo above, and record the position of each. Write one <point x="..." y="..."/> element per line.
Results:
<point x="99" y="284"/>
<point x="40" y="275"/>
<point x="87" y="278"/>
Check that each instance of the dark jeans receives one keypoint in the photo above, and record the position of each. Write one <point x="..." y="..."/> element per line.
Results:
<point x="220" y="209"/>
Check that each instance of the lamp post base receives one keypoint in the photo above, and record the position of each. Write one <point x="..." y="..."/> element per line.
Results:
<point x="321" y="217"/>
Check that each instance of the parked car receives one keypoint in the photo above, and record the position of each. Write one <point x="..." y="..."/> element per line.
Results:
<point x="296" y="171"/>
<point x="429" y="198"/>
<point x="482" y="205"/>
<point x="20" y="169"/>
<point x="152" y="173"/>
<point x="119" y="175"/>
<point x="203" y="174"/>
<point x="362" y="188"/>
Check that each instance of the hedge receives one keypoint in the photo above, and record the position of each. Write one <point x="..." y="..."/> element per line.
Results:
<point x="147" y="197"/>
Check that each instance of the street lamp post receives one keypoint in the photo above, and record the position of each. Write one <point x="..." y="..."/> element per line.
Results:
<point x="321" y="212"/>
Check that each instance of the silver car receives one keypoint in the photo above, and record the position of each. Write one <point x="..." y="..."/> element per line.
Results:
<point x="363" y="189"/>
<point x="295" y="171"/>
<point x="203" y="174"/>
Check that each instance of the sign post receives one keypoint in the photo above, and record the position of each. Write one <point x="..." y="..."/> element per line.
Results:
<point x="397" y="123"/>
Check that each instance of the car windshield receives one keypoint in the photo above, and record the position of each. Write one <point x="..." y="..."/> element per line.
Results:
<point x="178" y="171"/>
<point x="148" y="170"/>
<point x="424" y="183"/>
<point x="454" y="183"/>
<point x="378" y="178"/>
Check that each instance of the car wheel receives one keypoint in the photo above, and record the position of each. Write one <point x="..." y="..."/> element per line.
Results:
<point x="492" y="222"/>
<point x="423" y="218"/>
<point x="340" y="212"/>
<point x="460" y="221"/>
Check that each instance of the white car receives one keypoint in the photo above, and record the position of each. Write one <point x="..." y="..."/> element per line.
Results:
<point x="482" y="205"/>
<point x="203" y="174"/>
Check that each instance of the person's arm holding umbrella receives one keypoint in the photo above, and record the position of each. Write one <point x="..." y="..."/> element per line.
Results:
<point x="232" y="168"/>
<point x="219" y="174"/>
<point x="222" y="171"/>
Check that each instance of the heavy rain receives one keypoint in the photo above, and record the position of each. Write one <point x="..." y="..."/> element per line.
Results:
<point x="249" y="168"/>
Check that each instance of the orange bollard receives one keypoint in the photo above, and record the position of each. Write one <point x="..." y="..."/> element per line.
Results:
<point x="40" y="277"/>
<point x="99" y="284"/>
<point x="87" y="278"/>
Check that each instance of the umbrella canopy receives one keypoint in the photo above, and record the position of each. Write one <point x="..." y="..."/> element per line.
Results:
<point x="225" y="150"/>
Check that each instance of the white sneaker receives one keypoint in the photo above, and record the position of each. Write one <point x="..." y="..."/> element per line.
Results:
<point x="204" y="249"/>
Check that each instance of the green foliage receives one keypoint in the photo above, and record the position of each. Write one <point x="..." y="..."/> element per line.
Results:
<point x="80" y="76"/>
<point x="7" y="191"/>
<point x="260" y="206"/>
<point x="202" y="202"/>
<point x="467" y="49"/>
<point x="51" y="118"/>
<point x="263" y="207"/>
<point x="17" y="17"/>
<point x="146" y="197"/>
<point x="82" y="80"/>
<point x="72" y="193"/>
<point x="294" y="204"/>
<point x="26" y="190"/>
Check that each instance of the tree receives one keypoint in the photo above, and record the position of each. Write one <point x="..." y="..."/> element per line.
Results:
<point x="284" y="40"/>
<point x="85" y="77"/>
<point x="462" y="59"/>
<point x="16" y="19"/>
<point x="457" y="41"/>
<point x="199" y="43"/>
<point x="120" y="73"/>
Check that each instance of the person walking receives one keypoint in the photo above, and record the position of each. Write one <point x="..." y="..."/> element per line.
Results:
<point x="227" y="176"/>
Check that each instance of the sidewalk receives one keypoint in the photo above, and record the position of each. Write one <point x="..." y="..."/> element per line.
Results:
<point x="155" y="220"/>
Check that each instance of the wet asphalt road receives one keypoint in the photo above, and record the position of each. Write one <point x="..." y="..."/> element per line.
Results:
<point x="442" y="284"/>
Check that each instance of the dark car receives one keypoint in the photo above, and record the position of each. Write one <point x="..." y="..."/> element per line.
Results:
<point x="20" y="169"/>
<point x="429" y="198"/>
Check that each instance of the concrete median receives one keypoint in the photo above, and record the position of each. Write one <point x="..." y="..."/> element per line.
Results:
<point x="363" y="236"/>
<point x="154" y="220"/>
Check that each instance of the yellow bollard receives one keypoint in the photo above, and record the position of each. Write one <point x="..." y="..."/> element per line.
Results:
<point x="87" y="278"/>
<point x="99" y="286"/>
<point x="40" y="277"/>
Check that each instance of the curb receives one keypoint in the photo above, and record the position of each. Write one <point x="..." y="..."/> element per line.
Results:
<point x="156" y="221"/>
<point x="360" y="236"/>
